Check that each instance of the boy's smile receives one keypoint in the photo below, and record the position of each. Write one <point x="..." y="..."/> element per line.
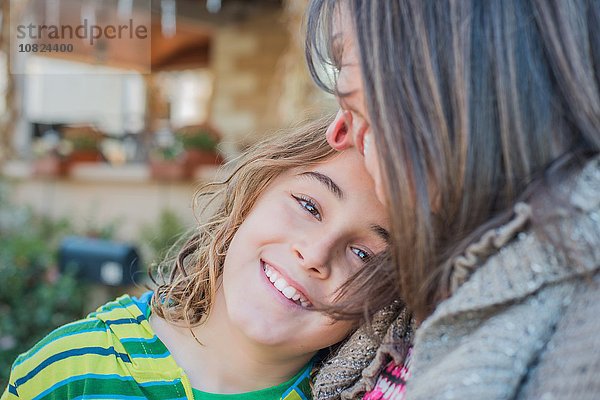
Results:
<point x="291" y="290"/>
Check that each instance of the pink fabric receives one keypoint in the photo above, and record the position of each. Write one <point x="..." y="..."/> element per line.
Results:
<point x="391" y="384"/>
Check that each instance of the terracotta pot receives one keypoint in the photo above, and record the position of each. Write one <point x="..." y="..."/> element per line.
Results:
<point x="168" y="170"/>
<point x="195" y="158"/>
<point x="81" y="156"/>
<point x="49" y="166"/>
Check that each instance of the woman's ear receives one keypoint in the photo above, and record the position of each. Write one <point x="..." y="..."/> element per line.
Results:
<point x="338" y="136"/>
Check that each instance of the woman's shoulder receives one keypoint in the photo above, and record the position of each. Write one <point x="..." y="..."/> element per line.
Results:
<point x="101" y="345"/>
<point x="569" y="365"/>
<point x="527" y="293"/>
<point x="529" y="252"/>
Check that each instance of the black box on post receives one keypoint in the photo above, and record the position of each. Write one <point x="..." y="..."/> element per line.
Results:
<point x="100" y="261"/>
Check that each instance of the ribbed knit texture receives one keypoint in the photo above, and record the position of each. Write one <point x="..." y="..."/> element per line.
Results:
<point x="569" y="368"/>
<point x="525" y="324"/>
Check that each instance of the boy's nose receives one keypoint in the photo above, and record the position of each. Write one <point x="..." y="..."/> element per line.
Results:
<point x="314" y="258"/>
<point x="338" y="135"/>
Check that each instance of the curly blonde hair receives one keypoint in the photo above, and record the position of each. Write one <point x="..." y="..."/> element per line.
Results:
<point x="188" y="283"/>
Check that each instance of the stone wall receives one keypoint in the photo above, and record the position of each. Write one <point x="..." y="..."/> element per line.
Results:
<point x="261" y="82"/>
<point x="244" y="59"/>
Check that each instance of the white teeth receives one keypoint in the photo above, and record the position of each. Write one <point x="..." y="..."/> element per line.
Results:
<point x="289" y="292"/>
<point x="280" y="284"/>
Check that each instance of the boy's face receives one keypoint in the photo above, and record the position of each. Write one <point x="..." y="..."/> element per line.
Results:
<point x="306" y="235"/>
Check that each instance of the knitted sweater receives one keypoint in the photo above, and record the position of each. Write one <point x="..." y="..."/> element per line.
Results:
<point x="525" y="323"/>
<point x="522" y="321"/>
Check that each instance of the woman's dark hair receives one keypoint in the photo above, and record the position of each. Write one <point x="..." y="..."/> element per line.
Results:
<point x="473" y="104"/>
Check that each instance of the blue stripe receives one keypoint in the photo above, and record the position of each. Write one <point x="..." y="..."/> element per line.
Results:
<point x="18" y="362"/>
<point x="143" y="303"/>
<point x="124" y="321"/>
<point x="12" y="390"/>
<point x="104" y="376"/>
<point x="72" y="353"/>
<point x="140" y="340"/>
<point x="79" y="378"/>
<point x="294" y="387"/>
<point x="159" y="383"/>
<point x="144" y="355"/>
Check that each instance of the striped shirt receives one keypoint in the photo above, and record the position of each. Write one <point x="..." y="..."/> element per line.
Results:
<point x="111" y="354"/>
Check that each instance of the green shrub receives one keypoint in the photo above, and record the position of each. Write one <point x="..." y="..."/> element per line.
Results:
<point x="199" y="140"/>
<point x="162" y="235"/>
<point x="34" y="297"/>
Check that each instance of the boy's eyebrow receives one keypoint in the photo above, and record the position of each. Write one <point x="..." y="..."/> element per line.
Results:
<point x="327" y="181"/>
<point x="339" y="193"/>
<point x="382" y="232"/>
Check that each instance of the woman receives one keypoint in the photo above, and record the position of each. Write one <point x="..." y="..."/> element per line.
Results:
<point x="480" y="124"/>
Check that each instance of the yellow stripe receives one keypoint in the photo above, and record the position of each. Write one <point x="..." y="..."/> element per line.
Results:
<point x="69" y="367"/>
<point x="131" y="311"/>
<point x="66" y="343"/>
<point x="293" y="395"/>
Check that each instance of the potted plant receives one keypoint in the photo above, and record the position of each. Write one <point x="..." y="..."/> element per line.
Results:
<point x="49" y="156"/>
<point x="167" y="163"/>
<point x="199" y="146"/>
<point x="82" y="144"/>
<point x="177" y="155"/>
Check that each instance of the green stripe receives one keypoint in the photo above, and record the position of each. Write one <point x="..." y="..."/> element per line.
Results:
<point x="121" y="302"/>
<point x="155" y="347"/>
<point x="114" y="386"/>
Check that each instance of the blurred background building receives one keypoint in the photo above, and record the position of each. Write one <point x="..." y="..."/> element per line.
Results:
<point x="232" y="70"/>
